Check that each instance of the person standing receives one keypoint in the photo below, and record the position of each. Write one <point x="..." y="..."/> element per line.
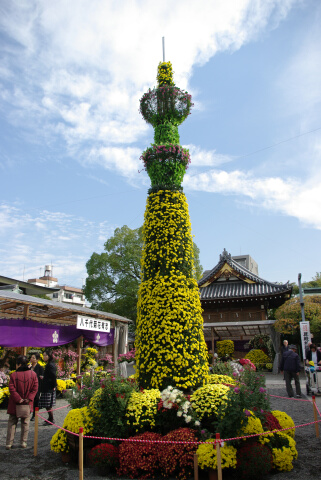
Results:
<point x="39" y="371"/>
<point x="48" y="388"/>
<point x="307" y="350"/>
<point x="285" y="347"/>
<point x="290" y="364"/>
<point x="313" y="355"/>
<point x="23" y="387"/>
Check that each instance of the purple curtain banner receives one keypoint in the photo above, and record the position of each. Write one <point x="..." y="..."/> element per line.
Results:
<point x="28" y="333"/>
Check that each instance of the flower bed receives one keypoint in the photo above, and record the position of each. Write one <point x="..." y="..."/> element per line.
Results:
<point x="127" y="357"/>
<point x="258" y="357"/>
<point x="105" y="457"/>
<point x="225" y="348"/>
<point x="172" y="390"/>
<point x="119" y="409"/>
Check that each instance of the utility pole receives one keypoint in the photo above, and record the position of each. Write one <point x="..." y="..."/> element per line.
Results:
<point x="301" y="298"/>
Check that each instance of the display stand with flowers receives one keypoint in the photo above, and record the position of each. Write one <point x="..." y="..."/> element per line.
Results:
<point x="170" y="345"/>
<point x="173" y="398"/>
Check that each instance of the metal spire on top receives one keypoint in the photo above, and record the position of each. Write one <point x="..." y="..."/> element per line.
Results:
<point x="163" y="39"/>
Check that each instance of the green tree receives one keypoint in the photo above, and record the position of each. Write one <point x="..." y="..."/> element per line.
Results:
<point x="198" y="269"/>
<point x="288" y="315"/>
<point x="114" y="275"/>
<point x="42" y="295"/>
<point x="295" y="288"/>
<point x="315" y="282"/>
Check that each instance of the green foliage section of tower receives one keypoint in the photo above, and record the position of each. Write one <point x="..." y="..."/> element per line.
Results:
<point x="166" y="133"/>
<point x="165" y="107"/>
<point x="170" y="346"/>
<point x="166" y="164"/>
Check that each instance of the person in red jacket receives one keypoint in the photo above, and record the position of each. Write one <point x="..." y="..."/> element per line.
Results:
<point x="23" y="386"/>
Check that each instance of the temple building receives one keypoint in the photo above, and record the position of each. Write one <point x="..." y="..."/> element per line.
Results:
<point x="235" y="302"/>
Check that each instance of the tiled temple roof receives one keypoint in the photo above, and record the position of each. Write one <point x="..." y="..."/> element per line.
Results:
<point x="239" y="282"/>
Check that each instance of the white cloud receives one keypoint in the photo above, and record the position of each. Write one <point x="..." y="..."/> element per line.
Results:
<point x="124" y="160"/>
<point x="79" y="72"/>
<point x="300" y="199"/>
<point x="202" y="158"/>
<point x="48" y="237"/>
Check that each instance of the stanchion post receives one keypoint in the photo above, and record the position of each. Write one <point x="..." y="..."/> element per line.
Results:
<point x="35" y="440"/>
<point x="195" y="467"/>
<point x="218" y="458"/>
<point x="81" y="453"/>
<point x="315" y="417"/>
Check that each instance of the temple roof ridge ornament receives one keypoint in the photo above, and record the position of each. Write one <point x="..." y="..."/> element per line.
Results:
<point x="225" y="254"/>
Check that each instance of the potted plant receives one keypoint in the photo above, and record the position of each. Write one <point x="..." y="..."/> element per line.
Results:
<point x="104" y="457"/>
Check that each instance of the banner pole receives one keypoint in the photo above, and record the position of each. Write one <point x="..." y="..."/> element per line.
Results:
<point x="35" y="440"/>
<point x="315" y="417"/>
<point x="81" y="453"/>
<point x="218" y="458"/>
<point x="195" y="467"/>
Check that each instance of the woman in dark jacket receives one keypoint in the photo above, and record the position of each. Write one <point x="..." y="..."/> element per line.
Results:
<point x="48" y="388"/>
<point x="314" y="355"/>
<point x="23" y="386"/>
<point x="39" y="371"/>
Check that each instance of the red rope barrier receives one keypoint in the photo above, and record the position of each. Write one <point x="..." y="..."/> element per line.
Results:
<point x="181" y="442"/>
<point x="61" y="428"/>
<point x="291" y="398"/>
<point x="199" y="443"/>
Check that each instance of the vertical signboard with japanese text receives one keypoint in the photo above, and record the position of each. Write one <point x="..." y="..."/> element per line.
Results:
<point x="305" y="336"/>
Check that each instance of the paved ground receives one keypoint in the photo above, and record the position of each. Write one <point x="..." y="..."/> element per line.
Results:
<point x="20" y="464"/>
<point x="276" y="381"/>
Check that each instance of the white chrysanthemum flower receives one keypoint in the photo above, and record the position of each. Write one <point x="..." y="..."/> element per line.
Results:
<point x="188" y="419"/>
<point x="179" y="413"/>
<point x="197" y="423"/>
<point x="185" y="407"/>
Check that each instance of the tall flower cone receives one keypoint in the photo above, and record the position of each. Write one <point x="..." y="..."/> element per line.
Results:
<point x="170" y="345"/>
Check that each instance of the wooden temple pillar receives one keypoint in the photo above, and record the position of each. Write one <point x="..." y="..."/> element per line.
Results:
<point x="25" y="314"/>
<point x="79" y="347"/>
<point x="115" y="346"/>
<point x="212" y="338"/>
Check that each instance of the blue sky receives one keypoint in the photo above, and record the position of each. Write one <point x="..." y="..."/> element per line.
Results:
<point x="71" y="76"/>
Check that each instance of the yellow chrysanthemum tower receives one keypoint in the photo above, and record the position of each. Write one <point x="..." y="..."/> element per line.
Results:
<point x="170" y="345"/>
